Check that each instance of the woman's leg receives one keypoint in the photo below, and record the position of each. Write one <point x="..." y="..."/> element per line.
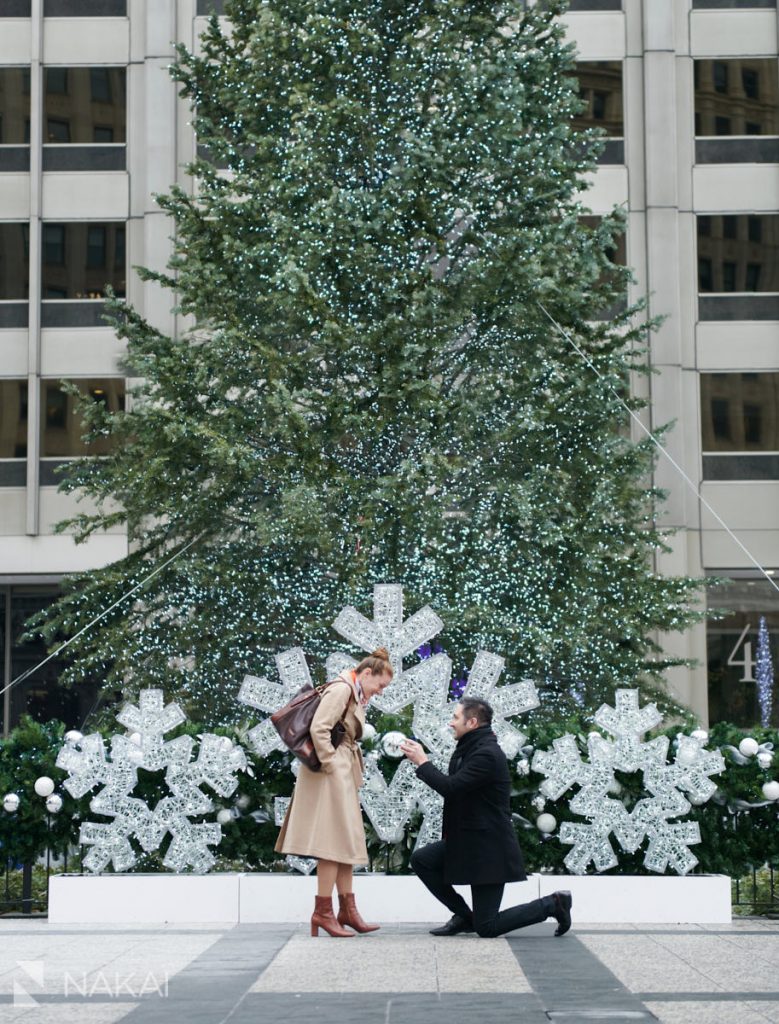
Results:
<point x="344" y="879"/>
<point x="326" y="875"/>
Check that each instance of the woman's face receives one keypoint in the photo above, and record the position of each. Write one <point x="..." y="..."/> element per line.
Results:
<point x="374" y="683"/>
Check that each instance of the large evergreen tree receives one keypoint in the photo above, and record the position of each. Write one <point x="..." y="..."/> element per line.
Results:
<point x="371" y="390"/>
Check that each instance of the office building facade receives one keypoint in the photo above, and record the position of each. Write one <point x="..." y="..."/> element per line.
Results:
<point x="688" y="94"/>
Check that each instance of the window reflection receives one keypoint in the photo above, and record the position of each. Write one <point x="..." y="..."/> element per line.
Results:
<point x="736" y="97"/>
<point x="14" y="106"/>
<point x="738" y="253"/>
<point x="732" y="649"/>
<point x="740" y="412"/>
<point x="600" y="86"/>
<point x="79" y="260"/>
<point x="13" y="419"/>
<point x="61" y="427"/>
<point x="14" y="261"/>
<point x="85" y="105"/>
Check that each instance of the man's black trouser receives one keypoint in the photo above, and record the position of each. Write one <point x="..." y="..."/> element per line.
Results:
<point x="488" y="919"/>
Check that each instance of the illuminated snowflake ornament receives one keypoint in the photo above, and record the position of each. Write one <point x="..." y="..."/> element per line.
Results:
<point x="144" y="746"/>
<point x="669" y="785"/>
<point x="260" y="693"/>
<point x="433" y="710"/>
<point x="389" y="808"/>
<point x="401" y="638"/>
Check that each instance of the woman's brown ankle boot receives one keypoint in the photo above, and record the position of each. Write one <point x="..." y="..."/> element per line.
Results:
<point x="349" y="914"/>
<point x="323" y="917"/>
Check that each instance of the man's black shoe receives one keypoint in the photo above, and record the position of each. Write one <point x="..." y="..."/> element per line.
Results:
<point x="456" y="925"/>
<point x="563" y="901"/>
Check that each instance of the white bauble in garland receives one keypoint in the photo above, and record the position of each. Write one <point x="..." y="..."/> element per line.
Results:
<point x="748" y="746"/>
<point x="546" y="823"/>
<point x="54" y="803"/>
<point x="765" y="759"/>
<point x="224" y="816"/>
<point x="44" y="786"/>
<point x="771" y="790"/>
<point x="11" y="803"/>
<point x="368" y="732"/>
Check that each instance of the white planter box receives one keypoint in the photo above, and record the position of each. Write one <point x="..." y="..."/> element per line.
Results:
<point x="644" y="899"/>
<point x="144" y="899"/>
<point x="284" y="899"/>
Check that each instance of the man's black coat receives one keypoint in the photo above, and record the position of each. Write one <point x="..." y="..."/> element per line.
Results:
<point x="481" y="845"/>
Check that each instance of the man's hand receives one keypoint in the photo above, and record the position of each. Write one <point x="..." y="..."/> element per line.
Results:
<point x="414" y="752"/>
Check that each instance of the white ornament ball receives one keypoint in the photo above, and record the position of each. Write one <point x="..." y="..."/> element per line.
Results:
<point x="700" y="734"/>
<point x="11" y="803"/>
<point x="243" y="802"/>
<point x="73" y="737"/>
<point x="748" y="746"/>
<point x="765" y="758"/>
<point x="546" y="823"/>
<point x="224" y="817"/>
<point x="771" y="790"/>
<point x="54" y="803"/>
<point x="391" y="743"/>
<point x="44" y="786"/>
<point x="368" y="732"/>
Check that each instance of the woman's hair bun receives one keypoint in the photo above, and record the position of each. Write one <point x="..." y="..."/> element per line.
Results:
<point x="381" y="652"/>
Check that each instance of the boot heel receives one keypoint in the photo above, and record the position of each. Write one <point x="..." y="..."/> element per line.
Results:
<point x="314" y="930"/>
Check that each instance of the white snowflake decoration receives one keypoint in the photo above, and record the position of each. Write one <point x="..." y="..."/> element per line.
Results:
<point x="144" y="746"/>
<point x="650" y="818"/>
<point x="433" y="710"/>
<point x="390" y="807"/>
<point x="400" y="638"/>
<point x="260" y="693"/>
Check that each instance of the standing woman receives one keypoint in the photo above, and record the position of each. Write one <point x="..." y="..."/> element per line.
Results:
<point x="324" y="819"/>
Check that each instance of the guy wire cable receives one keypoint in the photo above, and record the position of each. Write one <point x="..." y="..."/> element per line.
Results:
<point x="28" y="672"/>
<point x="565" y="334"/>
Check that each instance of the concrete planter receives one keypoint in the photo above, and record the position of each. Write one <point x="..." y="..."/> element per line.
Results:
<point x="285" y="898"/>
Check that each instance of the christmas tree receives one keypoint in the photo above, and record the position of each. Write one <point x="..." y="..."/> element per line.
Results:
<point x="386" y="203"/>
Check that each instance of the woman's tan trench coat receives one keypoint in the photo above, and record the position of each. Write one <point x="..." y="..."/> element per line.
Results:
<point x="324" y="819"/>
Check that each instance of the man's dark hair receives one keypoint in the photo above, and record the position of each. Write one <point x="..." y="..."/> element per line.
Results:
<point x="478" y="709"/>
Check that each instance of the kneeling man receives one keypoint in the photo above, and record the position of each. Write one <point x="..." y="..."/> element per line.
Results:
<point x="479" y="847"/>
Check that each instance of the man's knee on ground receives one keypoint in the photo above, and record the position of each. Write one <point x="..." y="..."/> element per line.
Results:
<point x="486" y="929"/>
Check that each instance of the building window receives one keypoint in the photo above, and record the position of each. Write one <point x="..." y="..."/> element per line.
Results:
<point x="600" y="88"/>
<point x="41" y="695"/>
<point x="56" y="82"/>
<point x="62" y="427"/>
<point x="738" y="253"/>
<point x="54" y="245"/>
<point x="14" y="261"/>
<point x="79" y="260"/>
<point x="96" y="246"/>
<point x="57" y="131"/>
<point x="740" y="413"/>
<point x="737" y="97"/>
<point x="13" y="419"/>
<point x="91" y="101"/>
<point x="732" y="649"/>
<point x="14" y="106"/>
<point x="720" y="76"/>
